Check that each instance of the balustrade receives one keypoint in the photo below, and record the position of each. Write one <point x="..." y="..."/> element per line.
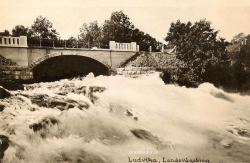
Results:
<point x="117" y="46"/>
<point x="13" y="41"/>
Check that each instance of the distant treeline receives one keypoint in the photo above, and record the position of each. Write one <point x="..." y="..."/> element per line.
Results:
<point x="118" y="28"/>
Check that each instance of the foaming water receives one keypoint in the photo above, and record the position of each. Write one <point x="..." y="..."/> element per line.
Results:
<point x="111" y="119"/>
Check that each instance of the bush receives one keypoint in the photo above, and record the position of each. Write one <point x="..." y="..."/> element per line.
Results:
<point x="181" y="77"/>
<point x="166" y="77"/>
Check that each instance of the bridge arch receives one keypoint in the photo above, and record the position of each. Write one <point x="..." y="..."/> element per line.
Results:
<point x="66" y="66"/>
<point x="51" y="55"/>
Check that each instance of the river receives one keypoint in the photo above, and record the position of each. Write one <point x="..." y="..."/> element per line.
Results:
<point x="117" y="120"/>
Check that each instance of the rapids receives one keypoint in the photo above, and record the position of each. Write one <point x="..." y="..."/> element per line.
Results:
<point x="117" y="120"/>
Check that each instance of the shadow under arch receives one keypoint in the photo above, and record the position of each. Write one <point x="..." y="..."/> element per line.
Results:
<point x="67" y="66"/>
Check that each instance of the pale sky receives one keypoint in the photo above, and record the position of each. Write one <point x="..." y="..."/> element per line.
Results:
<point x="151" y="16"/>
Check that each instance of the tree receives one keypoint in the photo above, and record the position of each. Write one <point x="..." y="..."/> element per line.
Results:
<point x="42" y="28"/>
<point x="90" y="34"/>
<point x="236" y="43"/>
<point x="118" y="28"/>
<point x="5" y="33"/>
<point x="239" y="38"/>
<point x="20" y="30"/>
<point x="197" y="45"/>
<point x="239" y="51"/>
<point x="72" y="42"/>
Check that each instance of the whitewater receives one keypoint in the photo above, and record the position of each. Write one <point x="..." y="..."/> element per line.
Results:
<point x="115" y="119"/>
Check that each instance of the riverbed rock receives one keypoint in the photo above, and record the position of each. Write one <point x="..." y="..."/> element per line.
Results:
<point x="60" y="102"/>
<point x="4" y="144"/>
<point x="1" y="107"/>
<point x="222" y="96"/>
<point x="12" y="84"/>
<point x="45" y="123"/>
<point x="147" y="136"/>
<point x="44" y="126"/>
<point x="4" y="93"/>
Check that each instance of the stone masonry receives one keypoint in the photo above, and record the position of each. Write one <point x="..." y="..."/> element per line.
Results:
<point x="22" y="73"/>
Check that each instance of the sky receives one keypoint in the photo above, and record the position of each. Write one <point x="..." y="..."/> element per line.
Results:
<point x="154" y="17"/>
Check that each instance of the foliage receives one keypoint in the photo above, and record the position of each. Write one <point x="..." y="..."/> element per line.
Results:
<point x="20" y="30"/>
<point x="166" y="77"/>
<point x="239" y="50"/>
<point x="197" y="45"/>
<point x="180" y="76"/>
<point x="90" y="34"/>
<point x="220" y="75"/>
<point x="239" y="53"/>
<point x="120" y="29"/>
<point x="231" y="74"/>
<point x="72" y="42"/>
<point x="239" y="38"/>
<point x="42" y="28"/>
<point x="5" y="33"/>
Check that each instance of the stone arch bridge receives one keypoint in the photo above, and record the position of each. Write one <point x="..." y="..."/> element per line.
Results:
<point x="29" y="58"/>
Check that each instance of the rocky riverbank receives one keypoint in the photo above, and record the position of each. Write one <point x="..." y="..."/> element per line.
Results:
<point x="156" y="60"/>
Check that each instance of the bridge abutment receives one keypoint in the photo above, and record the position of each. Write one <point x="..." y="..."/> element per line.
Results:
<point x="16" y="72"/>
<point x="18" y="55"/>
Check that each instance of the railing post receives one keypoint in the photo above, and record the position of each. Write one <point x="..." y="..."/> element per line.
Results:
<point x="65" y="44"/>
<point x="110" y="59"/>
<point x="53" y="43"/>
<point x="40" y="42"/>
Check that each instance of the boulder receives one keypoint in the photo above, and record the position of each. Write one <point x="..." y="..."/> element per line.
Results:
<point x="1" y="107"/>
<point x="4" y="93"/>
<point x="147" y="136"/>
<point x="12" y="84"/>
<point x="4" y="144"/>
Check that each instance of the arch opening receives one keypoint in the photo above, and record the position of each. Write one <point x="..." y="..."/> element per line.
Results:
<point x="67" y="66"/>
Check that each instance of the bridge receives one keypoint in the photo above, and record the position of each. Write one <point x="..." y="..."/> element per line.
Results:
<point x="67" y="61"/>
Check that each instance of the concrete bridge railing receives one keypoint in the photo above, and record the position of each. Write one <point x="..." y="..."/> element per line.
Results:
<point x="119" y="46"/>
<point x="13" y="41"/>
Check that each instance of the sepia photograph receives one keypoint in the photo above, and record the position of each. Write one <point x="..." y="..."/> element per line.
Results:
<point x="114" y="81"/>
